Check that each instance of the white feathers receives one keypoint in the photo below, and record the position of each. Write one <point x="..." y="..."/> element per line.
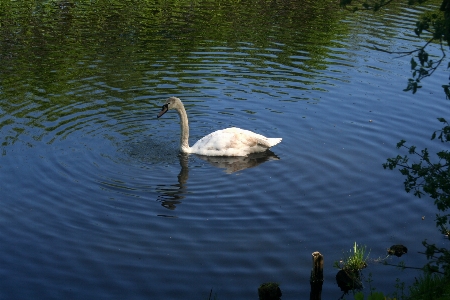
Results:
<point x="233" y="142"/>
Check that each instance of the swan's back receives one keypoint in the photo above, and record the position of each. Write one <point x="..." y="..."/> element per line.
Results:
<point x="233" y="142"/>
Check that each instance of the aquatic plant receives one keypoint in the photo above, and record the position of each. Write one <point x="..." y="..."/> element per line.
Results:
<point x="349" y="276"/>
<point x="353" y="261"/>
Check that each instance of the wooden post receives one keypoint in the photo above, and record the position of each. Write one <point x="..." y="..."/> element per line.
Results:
<point x="316" y="279"/>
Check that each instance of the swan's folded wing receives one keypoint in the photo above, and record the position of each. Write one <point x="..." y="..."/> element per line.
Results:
<point x="233" y="142"/>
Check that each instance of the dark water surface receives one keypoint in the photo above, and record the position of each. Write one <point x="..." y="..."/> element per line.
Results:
<point x="96" y="203"/>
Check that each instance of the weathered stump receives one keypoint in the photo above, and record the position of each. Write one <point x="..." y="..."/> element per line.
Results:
<point x="316" y="279"/>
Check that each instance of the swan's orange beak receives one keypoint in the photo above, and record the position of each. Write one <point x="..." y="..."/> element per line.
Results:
<point x="164" y="109"/>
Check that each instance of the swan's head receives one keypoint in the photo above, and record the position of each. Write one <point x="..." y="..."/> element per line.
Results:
<point x="171" y="103"/>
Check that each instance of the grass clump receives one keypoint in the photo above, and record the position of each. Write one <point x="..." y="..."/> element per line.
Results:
<point x="353" y="261"/>
<point x="349" y="276"/>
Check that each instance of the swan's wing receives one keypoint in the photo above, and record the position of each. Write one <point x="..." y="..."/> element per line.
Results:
<point x="250" y="138"/>
<point x="233" y="142"/>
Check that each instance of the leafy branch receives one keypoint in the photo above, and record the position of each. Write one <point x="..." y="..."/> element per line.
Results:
<point x="437" y="257"/>
<point x="402" y="266"/>
<point x="432" y="178"/>
<point x="426" y="66"/>
<point x="437" y="24"/>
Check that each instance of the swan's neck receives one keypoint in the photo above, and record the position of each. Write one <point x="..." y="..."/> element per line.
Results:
<point x="184" y="138"/>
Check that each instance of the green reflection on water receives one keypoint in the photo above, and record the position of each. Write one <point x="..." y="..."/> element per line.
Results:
<point x="64" y="61"/>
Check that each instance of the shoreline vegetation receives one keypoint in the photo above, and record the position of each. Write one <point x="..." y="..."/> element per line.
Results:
<point x="429" y="285"/>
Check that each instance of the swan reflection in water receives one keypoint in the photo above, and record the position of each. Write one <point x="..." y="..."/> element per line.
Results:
<point x="172" y="195"/>
<point x="232" y="164"/>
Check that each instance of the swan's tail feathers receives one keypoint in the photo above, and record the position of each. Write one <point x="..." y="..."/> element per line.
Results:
<point x="274" y="141"/>
<point x="268" y="142"/>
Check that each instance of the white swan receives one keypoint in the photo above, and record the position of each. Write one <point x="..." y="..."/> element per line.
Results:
<point x="226" y="142"/>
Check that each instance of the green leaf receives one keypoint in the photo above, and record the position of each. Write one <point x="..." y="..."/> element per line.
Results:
<point x="413" y="64"/>
<point x="401" y="143"/>
<point x="446" y="91"/>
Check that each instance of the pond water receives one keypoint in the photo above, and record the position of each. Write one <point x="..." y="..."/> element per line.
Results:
<point x="96" y="203"/>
